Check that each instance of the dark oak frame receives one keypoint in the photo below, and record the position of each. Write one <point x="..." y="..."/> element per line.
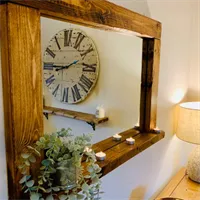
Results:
<point x="22" y="74"/>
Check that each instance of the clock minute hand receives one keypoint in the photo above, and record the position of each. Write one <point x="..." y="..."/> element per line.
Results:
<point x="67" y="66"/>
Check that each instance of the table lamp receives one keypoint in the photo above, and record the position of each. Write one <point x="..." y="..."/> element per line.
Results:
<point x="188" y="129"/>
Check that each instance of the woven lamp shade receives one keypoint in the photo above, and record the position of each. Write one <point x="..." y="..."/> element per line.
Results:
<point x="188" y="128"/>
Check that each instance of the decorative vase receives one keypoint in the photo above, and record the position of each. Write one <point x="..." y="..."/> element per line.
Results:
<point x="193" y="167"/>
<point x="68" y="176"/>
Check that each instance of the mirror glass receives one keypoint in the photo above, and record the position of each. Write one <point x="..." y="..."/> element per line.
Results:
<point x="110" y="59"/>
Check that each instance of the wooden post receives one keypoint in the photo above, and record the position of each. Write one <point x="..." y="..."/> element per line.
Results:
<point x="22" y="84"/>
<point x="149" y="84"/>
<point x="99" y="14"/>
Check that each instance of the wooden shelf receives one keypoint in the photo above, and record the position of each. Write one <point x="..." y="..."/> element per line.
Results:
<point x="89" y="118"/>
<point x="118" y="152"/>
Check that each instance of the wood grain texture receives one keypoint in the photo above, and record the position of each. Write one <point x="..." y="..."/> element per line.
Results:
<point x="181" y="187"/>
<point x="99" y="14"/>
<point x="22" y="84"/>
<point x="153" y="79"/>
<point x="187" y="189"/>
<point x="149" y="84"/>
<point x="74" y="115"/>
<point x="10" y="154"/>
<point x="109" y="143"/>
<point x="171" y="186"/>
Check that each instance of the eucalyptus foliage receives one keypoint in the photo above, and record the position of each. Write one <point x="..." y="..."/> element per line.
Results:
<point x="61" y="174"/>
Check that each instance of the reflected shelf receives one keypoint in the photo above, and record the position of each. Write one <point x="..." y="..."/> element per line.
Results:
<point x="89" y="118"/>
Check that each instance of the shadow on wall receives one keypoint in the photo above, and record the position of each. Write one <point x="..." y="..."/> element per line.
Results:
<point x="138" y="193"/>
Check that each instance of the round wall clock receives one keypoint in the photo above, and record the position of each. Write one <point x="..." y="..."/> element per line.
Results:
<point x="70" y="66"/>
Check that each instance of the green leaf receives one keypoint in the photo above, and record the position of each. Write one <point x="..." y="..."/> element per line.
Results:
<point x="25" y="155"/>
<point x="85" y="187"/>
<point x="50" y="197"/>
<point x="42" y="168"/>
<point x="42" y="139"/>
<point x="60" y="159"/>
<point x="34" y="196"/>
<point x="56" y="189"/>
<point x="95" y="180"/>
<point x="90" y="169"/>
<point x="30" y="183"/>
<point x="48" y="190"/>
<point x="24" y="171"/>
<point x="61" y="168"/>
<point x="87" y="176"/>
<point x="28" y="177"/>
<point x="43" y="189"/>
<point x="80" y="196"/>
<point x="38" y="143"/>
<point x="72" y="197"/>
<point x="24" y="179"/>
<point x="21" y="166"/>
<point x="34" y="188"/>
<point x="46" y="162"/>
<point x="27" y="163"/>
<point x="62" y="197"/>
<point x="40" y="182"/>
<point x="51" y="160"/>
<point x="36" y="151"/>
<point x="26" y="190"/>
<point x="30" y="147"/>
<point x="32" y="159"/>
<point x="44" y="179"/>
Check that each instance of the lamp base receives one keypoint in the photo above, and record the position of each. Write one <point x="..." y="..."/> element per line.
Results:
<point x="193" y="167"/>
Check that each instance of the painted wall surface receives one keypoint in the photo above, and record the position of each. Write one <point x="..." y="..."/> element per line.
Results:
<point x="142" y="177"/>
<point x="118" y="86"/>
<point x="3" y="172"/>
<point x="194" y="75"/>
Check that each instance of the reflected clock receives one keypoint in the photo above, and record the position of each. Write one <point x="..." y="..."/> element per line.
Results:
<point x="70" y="66"/>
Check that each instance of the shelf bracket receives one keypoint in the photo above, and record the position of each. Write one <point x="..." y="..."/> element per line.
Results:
<point x="46" y="114"/>
<point x="93" y="125"/>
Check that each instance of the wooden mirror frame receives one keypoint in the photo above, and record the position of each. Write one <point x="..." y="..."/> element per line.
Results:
<point x="22" y="73"/>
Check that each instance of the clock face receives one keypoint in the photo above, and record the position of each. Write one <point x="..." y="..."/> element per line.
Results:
<point x="70" y="66"/>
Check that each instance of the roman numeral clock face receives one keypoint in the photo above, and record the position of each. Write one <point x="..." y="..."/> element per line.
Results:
<point x="70" y="66"/>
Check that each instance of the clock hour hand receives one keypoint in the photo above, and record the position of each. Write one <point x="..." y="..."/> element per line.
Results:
<point x="67" y="66"/>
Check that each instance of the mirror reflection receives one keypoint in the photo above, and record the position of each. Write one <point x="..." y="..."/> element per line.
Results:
<point x="85" y="69"/>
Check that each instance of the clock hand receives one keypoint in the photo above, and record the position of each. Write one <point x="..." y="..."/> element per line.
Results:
<point x="67" y="66"/>
<point x="51" y="65"/>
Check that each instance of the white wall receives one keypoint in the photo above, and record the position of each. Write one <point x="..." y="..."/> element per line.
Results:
<point x="194" y="75"/>
<point x="118" y="86"/>
<point x="3" y="172"/>
<point x="144" y="175"/>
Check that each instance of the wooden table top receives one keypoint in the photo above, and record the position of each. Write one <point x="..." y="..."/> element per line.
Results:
<point x="181" y="187"/>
